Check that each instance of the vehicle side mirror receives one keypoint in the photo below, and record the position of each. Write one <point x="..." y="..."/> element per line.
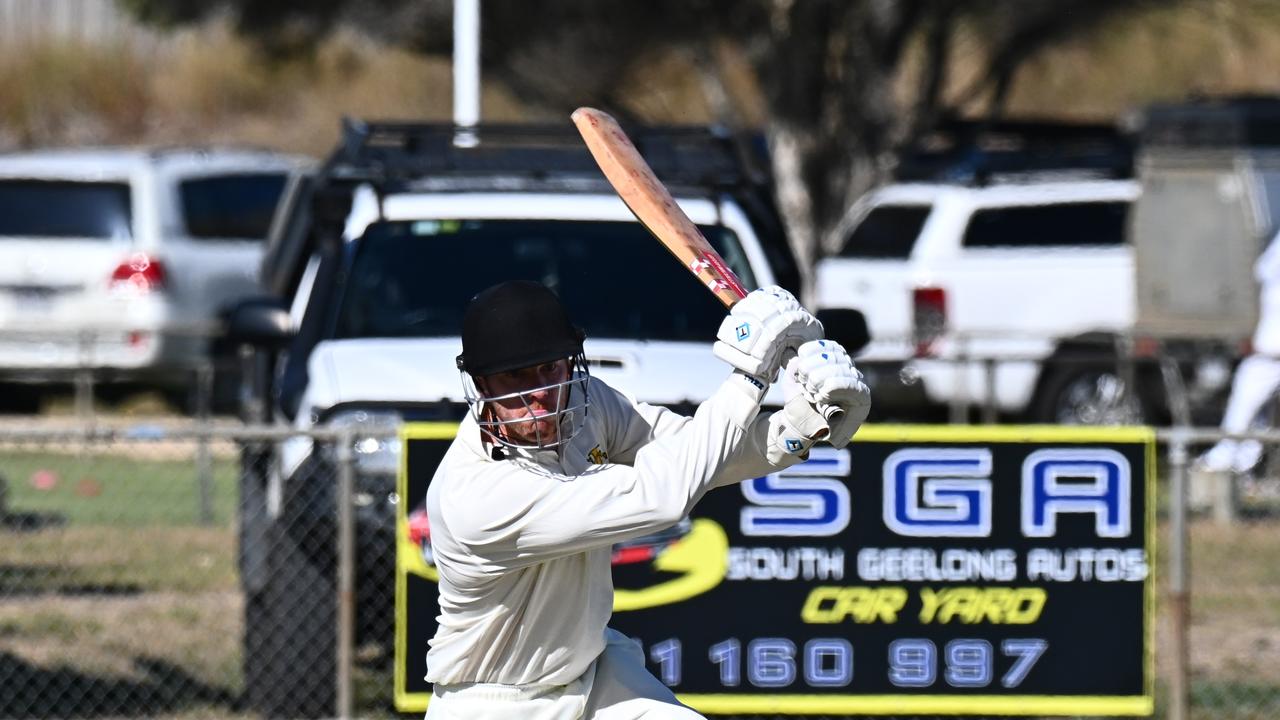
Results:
<point x="261" y="322"/>
<point x="847" y="327"/>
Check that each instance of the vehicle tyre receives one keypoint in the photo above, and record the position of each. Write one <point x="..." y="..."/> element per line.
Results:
<point x="1086" y="394"/>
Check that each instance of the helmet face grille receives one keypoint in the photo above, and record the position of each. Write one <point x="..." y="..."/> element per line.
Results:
<point x="514" y="325"/>
<point x="573" y="401"/>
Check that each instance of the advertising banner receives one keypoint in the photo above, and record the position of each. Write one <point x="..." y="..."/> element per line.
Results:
<point x="921" y="570"/>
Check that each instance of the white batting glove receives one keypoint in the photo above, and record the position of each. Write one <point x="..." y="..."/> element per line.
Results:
<point x="763" y="330"/>
<point x="833" y="386"/>
<point x="797" y="426"/>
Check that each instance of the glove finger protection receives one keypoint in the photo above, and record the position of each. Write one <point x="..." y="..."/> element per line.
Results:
<point x="828" y="379"/>
<point x="796" y="427"/>
<point x="762" y="330"/>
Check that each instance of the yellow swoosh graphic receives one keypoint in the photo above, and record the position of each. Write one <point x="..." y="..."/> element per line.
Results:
<point x="409" y="556"/>
<point x="703" y="558"/>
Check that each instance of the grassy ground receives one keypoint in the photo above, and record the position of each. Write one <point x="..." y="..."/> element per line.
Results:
<point x="128" y="606"/>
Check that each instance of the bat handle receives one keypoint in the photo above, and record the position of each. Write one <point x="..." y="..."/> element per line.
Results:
<point x="832" y="413"/>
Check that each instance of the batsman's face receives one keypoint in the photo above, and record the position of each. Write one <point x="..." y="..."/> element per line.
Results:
<point x="527" y="400"/>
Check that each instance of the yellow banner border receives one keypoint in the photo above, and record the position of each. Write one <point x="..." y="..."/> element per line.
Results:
<point x="403" y="700"/>
<point x="1052" y="705"/>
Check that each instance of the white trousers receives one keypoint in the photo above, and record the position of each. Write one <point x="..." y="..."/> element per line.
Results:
<point x="1255" y="382"/>
<point x="617" y="686"/>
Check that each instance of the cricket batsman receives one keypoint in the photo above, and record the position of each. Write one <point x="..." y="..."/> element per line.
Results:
<point x="552" y="467"/>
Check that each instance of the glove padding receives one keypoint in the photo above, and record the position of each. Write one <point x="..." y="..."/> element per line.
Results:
<point x="792" y="431"/>
<point x="833" y="386"/>
<point x="763" y="330"/>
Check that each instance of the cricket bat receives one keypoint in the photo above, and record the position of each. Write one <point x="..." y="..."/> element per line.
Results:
<point x="652" y="204"/>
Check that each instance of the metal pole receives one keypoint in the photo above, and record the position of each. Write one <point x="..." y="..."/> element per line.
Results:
<point x="346" y="571"/>
<point x="204" y="462"/>
<point x="466" y="71"/>
<point x="84" y="376"/>
<point x="959" y="410"/>
<point x="989" y="408"/>
<point x="1179" y="578"/>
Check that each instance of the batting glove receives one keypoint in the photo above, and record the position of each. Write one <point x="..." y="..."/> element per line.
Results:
<point x="763" y="330"/>
<point x="833" y="387"/>
<point x="797" y="426"/>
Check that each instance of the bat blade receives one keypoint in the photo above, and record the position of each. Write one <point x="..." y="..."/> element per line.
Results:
<point x="651" y="203"/>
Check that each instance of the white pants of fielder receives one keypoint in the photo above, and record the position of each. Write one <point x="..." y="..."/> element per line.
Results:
<point x="615" y="687"/>
<point x="1256" y="381"/>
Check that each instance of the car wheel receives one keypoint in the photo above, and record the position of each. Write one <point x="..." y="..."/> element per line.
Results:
<point x="1087" y="395"/>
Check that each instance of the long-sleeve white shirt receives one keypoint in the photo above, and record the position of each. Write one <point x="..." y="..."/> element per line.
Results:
<point x="1266" y="336"/>
<point x="523" y="544"/>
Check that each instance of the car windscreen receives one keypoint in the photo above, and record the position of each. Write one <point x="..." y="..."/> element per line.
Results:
<point x="887" y="232"/>
<point x="413" y="279"/>
<point x="230" y="206"/>
<point x="64" y="209"/>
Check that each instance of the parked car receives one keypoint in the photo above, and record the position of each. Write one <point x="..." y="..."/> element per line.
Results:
<point x="376" y="259"/>
<point x="1028" y="284"/>
<point x="122" y="260"/>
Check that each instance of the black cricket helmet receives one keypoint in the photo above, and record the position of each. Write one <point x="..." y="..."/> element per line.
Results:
<point x="519" y="324"/>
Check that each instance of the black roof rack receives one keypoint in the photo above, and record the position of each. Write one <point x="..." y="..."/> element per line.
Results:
<point x="978" y="152"/>
<point x="402" y="153"/>
<point x="1225" y="121"/>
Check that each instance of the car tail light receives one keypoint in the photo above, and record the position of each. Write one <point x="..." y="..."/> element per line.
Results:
<point x="139" y="273"/>
<point x="1146" y="347"/>
<point x="929" y="318"/>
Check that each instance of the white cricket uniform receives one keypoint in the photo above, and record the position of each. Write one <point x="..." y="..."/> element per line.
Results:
<point x="523" y="548"/>
<point x="1258" y="376"/>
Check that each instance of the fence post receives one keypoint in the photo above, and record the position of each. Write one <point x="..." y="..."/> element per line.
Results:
<point x="346" y="571"/>
<point x="989" y="414"/>
<point x="204" y="462"/>
<point x="959" y="408"/>
<point x="1179" y="577"/>
<point x="84" y="375"/>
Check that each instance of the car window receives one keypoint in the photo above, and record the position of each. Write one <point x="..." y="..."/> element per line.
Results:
<point x="412" y="279"/>
<point x="1057" y="224"/>
<point x="230" y="206"/>
<point x="65" y="209"/>
<point x="888" y="231"/>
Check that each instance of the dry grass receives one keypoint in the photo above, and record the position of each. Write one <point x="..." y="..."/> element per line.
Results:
<point x="210" y="87"/>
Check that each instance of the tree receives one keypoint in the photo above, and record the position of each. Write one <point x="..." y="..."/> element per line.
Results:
<point x="845" y="84"/>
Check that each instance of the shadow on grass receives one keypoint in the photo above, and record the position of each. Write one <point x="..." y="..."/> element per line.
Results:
<point x="30" y="521"/>
<point x="36" y="580"/>
<point x="63" y="692"/>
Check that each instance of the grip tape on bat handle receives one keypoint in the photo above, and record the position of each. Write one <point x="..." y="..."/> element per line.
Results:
<point x="832" y="413"/>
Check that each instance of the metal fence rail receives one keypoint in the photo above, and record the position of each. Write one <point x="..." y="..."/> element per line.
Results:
<point x="129" y="585"/>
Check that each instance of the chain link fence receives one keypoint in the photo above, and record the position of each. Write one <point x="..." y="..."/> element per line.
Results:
<point x="158" y="570"/>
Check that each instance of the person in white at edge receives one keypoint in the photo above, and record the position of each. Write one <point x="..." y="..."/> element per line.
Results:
<point x="1257" y="377"/>
<point x="552" y="467"/>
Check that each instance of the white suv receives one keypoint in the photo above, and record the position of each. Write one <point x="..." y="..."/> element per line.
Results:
<point x="120" y="260"/>
<point x="1028" y="284"/>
